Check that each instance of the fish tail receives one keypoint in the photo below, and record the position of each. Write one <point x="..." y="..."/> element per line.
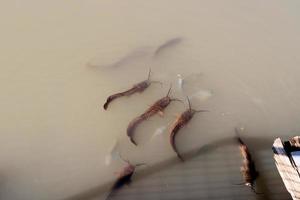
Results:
<point x="131" y="128"/>
<point x="133" y="141"/>
<point x="117" y="95"/>
<point x="111" y="98"/>
<point x="108" y="100"/>
<point x="173" y="145"/>
<point x="106" y="104"/>
<point x="169" y="43"/>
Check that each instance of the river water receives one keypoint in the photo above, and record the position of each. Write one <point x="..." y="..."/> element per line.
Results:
<point x="61" y="59"/>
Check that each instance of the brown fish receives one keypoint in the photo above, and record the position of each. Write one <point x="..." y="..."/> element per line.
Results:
<point x="139" y="87"/>
<point x="248" y="169"/>
<point x="180" y="122"/>
<point x="124" y="175"/>
<point x="157" y="107"/>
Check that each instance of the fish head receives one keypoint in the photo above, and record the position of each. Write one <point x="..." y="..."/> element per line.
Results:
<point x="143" y="85"/>
<point x="164" y="102"/>
<point x="191" y="113"/>
<point x="187" y="115"/>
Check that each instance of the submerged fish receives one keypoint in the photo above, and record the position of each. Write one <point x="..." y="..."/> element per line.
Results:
<point x="248" y="169"/>
<point x="139" y="87"/>
<point x="157" y="107"/>
<point x="124" y="176"/>
<point x="180" y="122"/>
<point x="166" y="45"/>
<point x="138" y="53"/>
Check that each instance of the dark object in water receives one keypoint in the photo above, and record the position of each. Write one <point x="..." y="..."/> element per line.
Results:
<point x="168" y="44"/>
<point x="180" y="122"/>
<point x="125" y="175"/>
<point x="248" y="169"/>
<point x="135" y="54"/>
<point x="139" y="87"/>
<point x="157" y="107"/>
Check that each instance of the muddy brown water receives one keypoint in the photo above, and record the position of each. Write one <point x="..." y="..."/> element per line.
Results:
<point x="61" y="59"/>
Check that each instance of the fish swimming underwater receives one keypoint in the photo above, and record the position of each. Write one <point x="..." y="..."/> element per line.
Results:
<point x="124" y="176"/>
<point x="182" y="120"/>
<point x="167" y="45"/>
<point x="157" y="107"/>
<point x="248" y="169"/>
<point x="136" y="54"/>
<point x="137" y="88"/>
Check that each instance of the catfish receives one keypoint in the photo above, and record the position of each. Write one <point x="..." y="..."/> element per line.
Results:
<point x="136" y="88"/>
<point x="182" y="120"/>
<point x="248" y="169"/>
<point x="156" y="107"/>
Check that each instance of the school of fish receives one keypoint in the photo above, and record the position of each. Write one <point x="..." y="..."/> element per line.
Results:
<point x="248" y="169"/>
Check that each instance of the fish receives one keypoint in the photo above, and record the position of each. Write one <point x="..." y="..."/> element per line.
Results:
<point x="137" y="88"/>
<point x="157" y="107"/>
<point x="166" y="45"/>
<point x="248" y="169"/>
<point x="135" y="54"/>
<point x="181" y="121"/>
<point x="125" y="176"/>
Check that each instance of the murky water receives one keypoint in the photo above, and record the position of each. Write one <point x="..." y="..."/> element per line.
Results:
<point x="61" y="59"/>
